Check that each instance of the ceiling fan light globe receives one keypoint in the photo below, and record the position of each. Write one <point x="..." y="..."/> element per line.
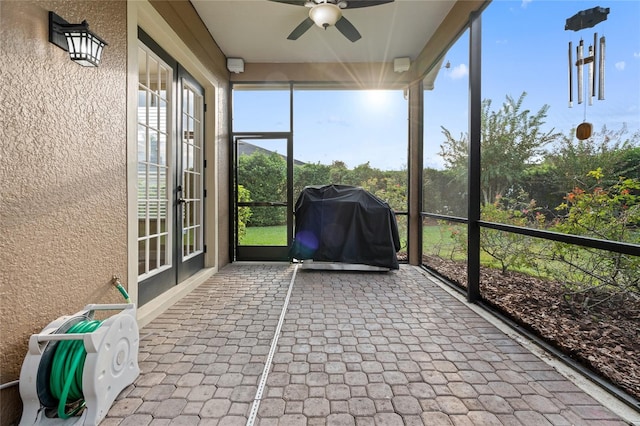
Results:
<point x="325" y="14"/>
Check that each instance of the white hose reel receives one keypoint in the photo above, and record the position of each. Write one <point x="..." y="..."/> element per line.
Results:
<point x="110" y="366"/>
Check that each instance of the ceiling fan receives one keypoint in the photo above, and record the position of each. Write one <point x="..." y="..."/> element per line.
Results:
<point x="325" y="13"/>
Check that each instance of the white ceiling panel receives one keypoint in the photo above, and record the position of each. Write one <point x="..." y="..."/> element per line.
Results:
<point x="257" y="30"/>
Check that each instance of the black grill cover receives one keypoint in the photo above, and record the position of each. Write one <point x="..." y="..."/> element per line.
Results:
<point x="340" y="223"/>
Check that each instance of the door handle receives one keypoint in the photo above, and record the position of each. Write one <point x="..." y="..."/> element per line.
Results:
<point x="180" y="200"/>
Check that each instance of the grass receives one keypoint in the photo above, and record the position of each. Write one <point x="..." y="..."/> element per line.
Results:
<point x="437" y="241"/>
<point x="277" y="236"/>
<point x="265" y="236"/>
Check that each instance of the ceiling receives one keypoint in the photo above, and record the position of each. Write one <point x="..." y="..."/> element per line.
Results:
<point x="257" y="30"/>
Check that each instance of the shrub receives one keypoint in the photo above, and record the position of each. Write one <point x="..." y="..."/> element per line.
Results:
<point x="244" y="213"/>
<point x="592" y="276"/>
<point x="510" y="250"/>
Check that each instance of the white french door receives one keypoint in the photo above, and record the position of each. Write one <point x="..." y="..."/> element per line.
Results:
<point x="170" y="172"/>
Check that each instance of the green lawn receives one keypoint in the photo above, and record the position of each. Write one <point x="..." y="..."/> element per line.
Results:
<point x="265" y="236"/>
<point x="437" y="241"/>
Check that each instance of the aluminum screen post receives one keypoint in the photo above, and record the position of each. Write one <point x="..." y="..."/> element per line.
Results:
<point x="475" y="132"/>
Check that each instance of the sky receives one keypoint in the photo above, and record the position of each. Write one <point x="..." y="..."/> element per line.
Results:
<point x="524" y="49"/>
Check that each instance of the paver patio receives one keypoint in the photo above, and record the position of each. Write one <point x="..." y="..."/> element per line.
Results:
<point x="355" y="348"/>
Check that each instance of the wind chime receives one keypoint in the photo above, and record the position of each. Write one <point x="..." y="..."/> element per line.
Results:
<point x="581" y="20"/>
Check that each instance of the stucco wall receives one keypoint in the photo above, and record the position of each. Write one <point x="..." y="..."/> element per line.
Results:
<point x="63" y="173"/>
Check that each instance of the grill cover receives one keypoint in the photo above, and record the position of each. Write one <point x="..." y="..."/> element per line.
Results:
<point x="340" y="223"/>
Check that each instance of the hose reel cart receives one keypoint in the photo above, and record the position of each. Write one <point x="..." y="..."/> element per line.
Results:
<point x="57" y="381"/>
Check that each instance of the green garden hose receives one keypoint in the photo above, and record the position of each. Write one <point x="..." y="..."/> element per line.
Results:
<point x="67" y="366"/>
<point x="123" y="292"/>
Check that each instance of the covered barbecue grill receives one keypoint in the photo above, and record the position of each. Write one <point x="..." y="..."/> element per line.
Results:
<point x="344" y="225"/>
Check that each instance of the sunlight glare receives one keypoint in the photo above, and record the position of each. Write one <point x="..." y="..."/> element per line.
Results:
<point x="376" y="98"/>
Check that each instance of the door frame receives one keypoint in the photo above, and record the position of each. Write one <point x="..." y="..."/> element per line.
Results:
<point x="262" y="253"/>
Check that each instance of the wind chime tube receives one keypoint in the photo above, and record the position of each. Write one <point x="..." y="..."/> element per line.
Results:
<point x="601" y="74"/>
<point x="570" y="76"/>
<point x="593" y="63"/>
<point x="590" y="79"/>
<point x="579" y="73"/>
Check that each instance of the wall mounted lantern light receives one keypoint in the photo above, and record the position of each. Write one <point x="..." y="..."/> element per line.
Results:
<point x="84" y="47"/>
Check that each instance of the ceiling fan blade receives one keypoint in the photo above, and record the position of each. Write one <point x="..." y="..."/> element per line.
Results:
<point x="301" y="29"/>
<point x="347" y="29"/>
<point x="354" y="4"/>
<point x="293" y="2"/>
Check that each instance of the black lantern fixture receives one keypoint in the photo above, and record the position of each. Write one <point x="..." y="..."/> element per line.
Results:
<point x="84" y="47"/>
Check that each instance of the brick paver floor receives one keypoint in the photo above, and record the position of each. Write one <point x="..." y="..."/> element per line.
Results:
<point x="355" y="348"/>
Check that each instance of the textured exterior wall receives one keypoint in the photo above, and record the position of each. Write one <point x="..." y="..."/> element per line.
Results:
<point x="63" y="214"/>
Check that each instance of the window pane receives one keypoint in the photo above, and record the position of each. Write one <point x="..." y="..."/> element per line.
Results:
<point x="444" y="248"/>
<point x="446" y="139"/>
<point x="142" y="68"/>
<point x="352" y="137"/>
<point x="264" y="110"/>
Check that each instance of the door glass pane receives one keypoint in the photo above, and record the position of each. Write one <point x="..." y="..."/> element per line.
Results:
<point x="272" y="230"/>
<point x="262" y="191"/>
<point x="154" y="118"/>
<point x="192" y="171"/>
<point x="153" y="253"/>
<point x="163" y="249"/>
<point x="142" y="256"/>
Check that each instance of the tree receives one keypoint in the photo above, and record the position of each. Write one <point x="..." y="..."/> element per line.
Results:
<point x="444" y="193"/>
<point x="567" y="165"/>
<point x="338" y="172"/>
<point x="610" y="150"/>
<point x="310" y="174"/>
<point x="361" y="174"/>
<point x="389" y="186"/>
<point x="512" y="138"/>
<point x="264" y="176"/>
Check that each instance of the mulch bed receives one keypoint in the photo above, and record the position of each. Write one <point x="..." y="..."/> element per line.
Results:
<point x="605" y="339"/>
